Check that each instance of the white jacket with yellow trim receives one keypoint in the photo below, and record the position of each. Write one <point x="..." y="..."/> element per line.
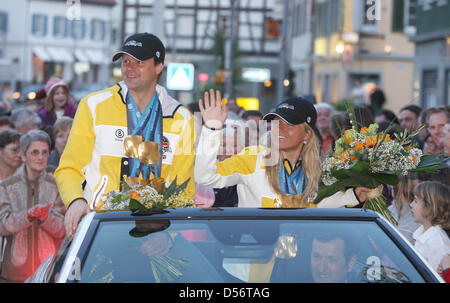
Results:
<point x="93" y="161"/>
<point x="246" y="170"/>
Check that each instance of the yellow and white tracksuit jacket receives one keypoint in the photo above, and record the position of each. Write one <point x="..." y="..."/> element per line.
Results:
<point x="93" y="161"/>
<point x="247" y="170"/>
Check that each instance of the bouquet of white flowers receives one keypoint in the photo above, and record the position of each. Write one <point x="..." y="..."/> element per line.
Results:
<point x="366" y="157"/>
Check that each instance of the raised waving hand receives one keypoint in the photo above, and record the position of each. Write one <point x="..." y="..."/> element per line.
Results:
<point x="214" y="113"/>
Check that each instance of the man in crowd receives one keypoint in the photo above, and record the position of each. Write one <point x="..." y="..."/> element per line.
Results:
<point x="409" y="120"/>
<point x="25" y="120"/>
<point x="95" y="159"/>
<point x="436" y="119"/>
<point x="324" y="114"/>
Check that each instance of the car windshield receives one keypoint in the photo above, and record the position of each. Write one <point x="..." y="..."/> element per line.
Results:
<point x="244" y="251"/>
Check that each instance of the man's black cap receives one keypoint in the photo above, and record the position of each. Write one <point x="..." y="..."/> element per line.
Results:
<point x="142" y="47"/>
<point x="294" y="111"/>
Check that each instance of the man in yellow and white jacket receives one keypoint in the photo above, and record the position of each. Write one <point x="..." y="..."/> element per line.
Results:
<point x="93" y="162"/>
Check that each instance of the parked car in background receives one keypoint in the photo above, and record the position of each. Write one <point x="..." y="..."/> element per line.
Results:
<point x="227" y="245"/>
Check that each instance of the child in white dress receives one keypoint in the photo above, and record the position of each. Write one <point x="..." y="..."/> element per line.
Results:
<point x="431" y="207"/>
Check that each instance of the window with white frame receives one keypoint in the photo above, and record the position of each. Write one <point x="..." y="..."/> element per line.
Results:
<point x="410" y="17"/>
<point x="78" y="29"/>
<point x="3" y="22"/>
<point x="39" y="25"/>
<point x="59" y="26"/>
<point x="371" y="15"/>
<point x="98" y="30"/>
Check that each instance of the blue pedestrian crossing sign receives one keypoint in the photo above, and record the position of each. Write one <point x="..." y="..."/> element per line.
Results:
<point x="180" y="76"/>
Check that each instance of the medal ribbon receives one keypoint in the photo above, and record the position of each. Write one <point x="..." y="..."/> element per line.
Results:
<point x="148" y="125"/>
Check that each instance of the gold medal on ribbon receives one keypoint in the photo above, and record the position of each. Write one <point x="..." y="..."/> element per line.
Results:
<point x="291" y="201"/>
<point x="131" y="145"/>
<point x="146" y="151"/>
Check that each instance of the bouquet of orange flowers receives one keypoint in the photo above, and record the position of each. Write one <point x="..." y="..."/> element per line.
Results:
<point x="366" y="157"/>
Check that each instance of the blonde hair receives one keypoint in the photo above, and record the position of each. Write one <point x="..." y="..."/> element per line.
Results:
<point x="403" y="192"/>
<point x="434" y="196"/>
<point x="311" y="167"/>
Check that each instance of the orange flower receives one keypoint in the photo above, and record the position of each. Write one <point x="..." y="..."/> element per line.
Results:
<point x="413" y="158"/>
<point x="359" y="146"/>
<point x="364" y="130"/>
<point x="409" y="147"/>
<point x="347" y="139"/>
<point x="387" y="137"/>
<point x="134" y="195"/>
<point x="371" y="141"/>
<point x="353" y="158"/>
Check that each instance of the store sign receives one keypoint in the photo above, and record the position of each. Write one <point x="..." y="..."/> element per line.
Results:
<point x="256" y="74"/>
<point x="350" y="37"/>
<point x="180" y="76"/>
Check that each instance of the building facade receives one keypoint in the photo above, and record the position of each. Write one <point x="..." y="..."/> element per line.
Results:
<point x="301" y="47"/>
<point x="432" y="60"/>
<point x="195" y="31"/>
<point x="71" y="39"/>
<point x="362" y="44"/>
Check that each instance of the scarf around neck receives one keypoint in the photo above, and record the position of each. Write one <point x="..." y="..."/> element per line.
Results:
<point x="148" y="125"/>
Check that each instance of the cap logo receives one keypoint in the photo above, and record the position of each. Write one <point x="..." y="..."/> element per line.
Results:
<point x="287" y="106"/>
<point x="133" y="43"/>
<point x="308" y="119"/>
<point x="158" y="54"/>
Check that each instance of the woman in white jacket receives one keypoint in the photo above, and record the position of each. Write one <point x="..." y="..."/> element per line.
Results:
<point x="286" y="174"/>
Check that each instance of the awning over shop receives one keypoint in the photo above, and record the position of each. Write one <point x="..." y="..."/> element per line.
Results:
<point x="81" y="56"/>
<point x="60" y="54"/>
<point x="41" y="53"/>
<point x="96" y="57"/>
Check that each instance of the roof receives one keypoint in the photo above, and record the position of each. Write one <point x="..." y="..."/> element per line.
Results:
<point x="243" y="213"/>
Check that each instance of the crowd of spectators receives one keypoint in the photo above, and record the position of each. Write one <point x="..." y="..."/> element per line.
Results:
<point x="32" y="139"/>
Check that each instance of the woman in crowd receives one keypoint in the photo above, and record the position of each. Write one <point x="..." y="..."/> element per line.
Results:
<point x="31" y="211"/>
<point x="10" y="159"/>
<point x="287" y="176"/>
<point x="61" y="131"/>
<point x="56" y="104"/>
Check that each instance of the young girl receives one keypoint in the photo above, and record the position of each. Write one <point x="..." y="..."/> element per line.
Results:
<point x="56" y="104"/>
<point x="431" y="207"/>
<point x="401" y="205"/>
<point x="287" y="176"/>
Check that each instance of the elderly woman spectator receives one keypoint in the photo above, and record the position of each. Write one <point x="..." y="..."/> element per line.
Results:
<point x="10" y="159"/>
<point x="61" y="131"/>
<point x="31" y="211"/>
<point x="25" y="120"/>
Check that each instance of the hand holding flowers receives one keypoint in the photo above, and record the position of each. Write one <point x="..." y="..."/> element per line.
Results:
<point x="38" y="213"/>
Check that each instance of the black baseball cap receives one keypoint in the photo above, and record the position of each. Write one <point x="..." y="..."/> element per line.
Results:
<point x="142" y="46"/>
<point x="294" y="111"/>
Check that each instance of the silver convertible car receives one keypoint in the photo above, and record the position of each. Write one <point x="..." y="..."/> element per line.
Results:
<point x="227" y="245"/>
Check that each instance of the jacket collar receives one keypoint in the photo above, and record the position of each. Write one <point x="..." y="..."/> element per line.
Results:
<point x="168" y="104"/>
<point x="21" y="172"/>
